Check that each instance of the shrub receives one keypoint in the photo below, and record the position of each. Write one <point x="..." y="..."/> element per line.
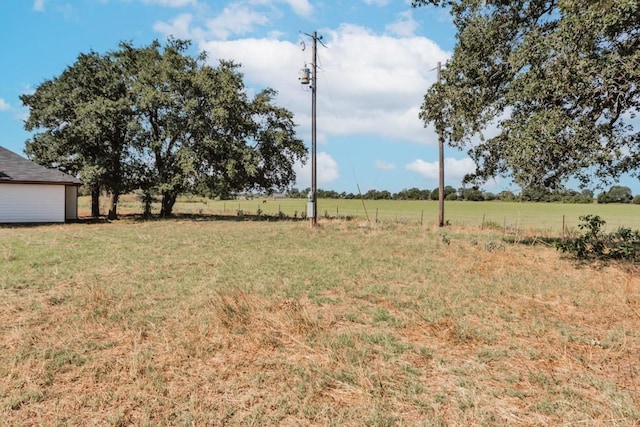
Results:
<point x="593" y="244"/>
<point x="146" y="197"/>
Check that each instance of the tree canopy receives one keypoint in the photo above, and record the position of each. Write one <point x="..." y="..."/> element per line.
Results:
<point x="616" y="194"/>
<point x="158" y="119"/>
<point x="541" y="90"/>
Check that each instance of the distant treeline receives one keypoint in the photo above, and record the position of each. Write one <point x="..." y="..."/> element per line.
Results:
<point x="616" y="194"/>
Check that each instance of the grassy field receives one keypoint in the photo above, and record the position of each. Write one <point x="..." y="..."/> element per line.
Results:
<point x="202" y="321"/>
<point x="529" y="218"/>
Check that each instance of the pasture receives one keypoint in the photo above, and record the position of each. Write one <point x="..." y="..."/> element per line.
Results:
<point x="209" y="321"/>
<point x="528" y="218"/>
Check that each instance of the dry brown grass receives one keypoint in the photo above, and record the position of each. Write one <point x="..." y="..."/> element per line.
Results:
<point x="241" y="323"/>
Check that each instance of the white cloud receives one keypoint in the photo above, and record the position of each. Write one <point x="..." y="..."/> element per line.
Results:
<point x="38" y="5"/>
<point x="4" y="105"/>
<point x="301" y="7"/>
<point x="454" y="169"/>
<point x="235" y="19"/>
<point x="67" y="10"/>
<point x="326" y="172"/>
<point x="384" y="165"/>
<point x="171" y="3"/>
<point x="404" y="26"/>
<point x="368" y="84"/>
<point x="376" y="2"/>
<point x="180" y="27"/>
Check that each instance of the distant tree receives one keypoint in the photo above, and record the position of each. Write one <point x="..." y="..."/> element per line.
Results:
<point x="535" y="194"/>
<point x="424" y="194"/>
<point x="616" y="194"/>
<point x="474" y="195"/>
<point x="327" y="194"/>
<point x="374" y="194"/>
<point x="587" y="194"/>
<point x="506" y="196"/>
<point x="294" y="193"/>
<point x="449" y="190"/>
<point x="384" y="195"/>
<point x="409" y="194"/>
<point x="489" y="196"/>
<point x="572" y="196"/>
<point x="435" y="193"/>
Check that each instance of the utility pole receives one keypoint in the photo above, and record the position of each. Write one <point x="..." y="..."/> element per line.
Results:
<point x="440" y="167"/>
<point x="314" y="87"/>
<point x="312" y="205"/>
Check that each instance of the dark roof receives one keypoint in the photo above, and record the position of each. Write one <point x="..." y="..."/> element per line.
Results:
<point x="18" y="170"/>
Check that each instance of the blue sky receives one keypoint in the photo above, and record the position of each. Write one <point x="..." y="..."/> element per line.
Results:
<point x="378" y="62"/>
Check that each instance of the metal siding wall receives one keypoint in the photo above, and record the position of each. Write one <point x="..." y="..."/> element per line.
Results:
<point x="32" y="203"/>
<point x="71" y="202"/>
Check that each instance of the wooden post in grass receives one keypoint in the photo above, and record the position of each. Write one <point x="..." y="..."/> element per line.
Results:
<point x="440" y="166"/>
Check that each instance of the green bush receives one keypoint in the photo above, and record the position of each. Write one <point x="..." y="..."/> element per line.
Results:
<point x="593" y="244"/>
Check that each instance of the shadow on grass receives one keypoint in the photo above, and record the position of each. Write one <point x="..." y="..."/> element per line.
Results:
<point x="157" y="218"/>
<point x="84" y="220"/>
<point x="190" y="217"/>
<point x="535" y="240"/>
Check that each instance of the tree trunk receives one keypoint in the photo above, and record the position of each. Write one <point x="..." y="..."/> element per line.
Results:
<point x="168" y="200"/>
<point x="113" y="210"/>
<point x="95" y="200"/>
<point x="147" y="199"/>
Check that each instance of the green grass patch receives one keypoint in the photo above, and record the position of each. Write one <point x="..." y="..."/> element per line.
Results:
<point x="553" y="219"/>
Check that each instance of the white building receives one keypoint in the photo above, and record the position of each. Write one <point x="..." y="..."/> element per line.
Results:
<point x="32" y="193"/>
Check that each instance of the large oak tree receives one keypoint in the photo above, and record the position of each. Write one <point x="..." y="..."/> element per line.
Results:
<point x="83" y="121"/>
<point x="158" y="119"/>
<point x="541" y="90"/>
